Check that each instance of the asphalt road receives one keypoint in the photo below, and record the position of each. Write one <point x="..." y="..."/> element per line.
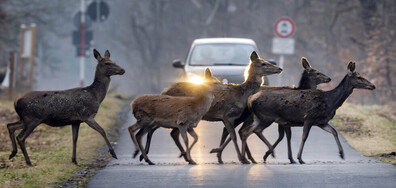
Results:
<point x="323" y="166"/>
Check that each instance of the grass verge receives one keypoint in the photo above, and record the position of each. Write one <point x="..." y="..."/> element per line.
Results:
<point x="369" y="129"/>
<point x="50" y="149"/>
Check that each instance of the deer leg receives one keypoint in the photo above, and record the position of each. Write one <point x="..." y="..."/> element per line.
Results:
<point x="175" y="135"/>
<point x="194" y="135"/>
<point x="246" y="130"/>
<point x="148" y="141"/>
<point x="331" y="130"/>
<point x="94" y="125"/>
<point x="306" y="129"/>
<point x="27" y="130"/>
<point x="245" y="124"/>
<point x="224" y="136"/>
<point x="231" y="131"/>
<point x="132" y="130"/>
<point x="12" y="127"/>
<point x="138" y="138"/>
<point x="244" y="135"/>
<point x="75" y="128"/>
<point x="220" y="150"/>
<point x="281" y="134"/>
<point x="183" y="133"/>
<point x="287" y="129"/>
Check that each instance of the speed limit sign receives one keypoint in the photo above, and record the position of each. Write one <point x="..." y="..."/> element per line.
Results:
<point x="284" y="27"/>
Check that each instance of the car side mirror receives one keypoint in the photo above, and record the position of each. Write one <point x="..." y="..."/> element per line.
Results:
<point x="272" y="61"/>
<point x="177" y="63"/>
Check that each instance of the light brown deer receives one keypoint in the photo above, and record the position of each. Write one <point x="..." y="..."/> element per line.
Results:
<point x="174" y="112"/>
<point x="65" y="107"/>
<point x="305" y="108"/>
<point x="181" y="89"/>
<point x="310" y="78"/>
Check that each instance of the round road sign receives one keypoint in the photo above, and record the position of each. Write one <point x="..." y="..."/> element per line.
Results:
<point x="284" y="27"/>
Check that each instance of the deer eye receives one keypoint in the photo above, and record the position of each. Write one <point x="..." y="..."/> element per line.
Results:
<point x="107" y="63"/>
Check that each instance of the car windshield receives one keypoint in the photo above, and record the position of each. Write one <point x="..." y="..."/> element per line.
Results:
<point x="221" y="54"/>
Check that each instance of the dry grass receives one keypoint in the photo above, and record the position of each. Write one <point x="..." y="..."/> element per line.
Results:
<point x="369" y="129"/>
<point x="50" y="149"/>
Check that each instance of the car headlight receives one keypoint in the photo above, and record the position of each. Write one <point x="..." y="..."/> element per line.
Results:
<point x="195" y="79"/>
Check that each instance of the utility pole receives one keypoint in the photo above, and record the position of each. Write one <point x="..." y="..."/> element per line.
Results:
<point x="82" y="49"/>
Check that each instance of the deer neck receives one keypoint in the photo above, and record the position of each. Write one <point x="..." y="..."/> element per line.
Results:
<point x="340" y="94"/>
<point x="252" y="84"/>
<point x="100" y="86"/>
<point x="306" y="82"/>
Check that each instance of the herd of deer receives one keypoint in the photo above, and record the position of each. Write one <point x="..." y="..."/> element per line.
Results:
<point x="181" y="106"/>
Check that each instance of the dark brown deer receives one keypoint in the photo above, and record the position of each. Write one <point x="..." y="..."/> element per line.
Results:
<point x="306" y="108"/>
<point x="310" y="78"/>
<point x="180" y="89"/>
<point x="65" y="107"/>
<point x="174" y="112"/>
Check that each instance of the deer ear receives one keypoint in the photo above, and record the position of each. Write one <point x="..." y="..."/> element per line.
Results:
<point x="254" y="56"/>
<point x="351" y="67"/>
<point x="97" y="55"/>
<point x="208" y="74"/>
<point x="107" y="54"/>
<point x="305" y="63"/>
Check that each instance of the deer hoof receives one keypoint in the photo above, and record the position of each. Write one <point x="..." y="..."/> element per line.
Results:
<point x="28" y="163"/>
<point x="182" y="154"/>
<point x="245" y="161"/>
<point x="74" y="161"/>
<point x="150" y="163"/>
<point x="292" y="161"/>
<point x="135" y="153"/>
<point x="273" y="154"/>
<point x="113" y="154"/>
<point x="253" y="161"/>
<point x="266" y="156"/>
<point x="342" y="155"/>
<point x="13" y="153"/>
<point x="141" y="158"/>
<point x="215" y="150"/>
<point x="220" y="161"/>
<point x="301" y="161"/>
<point x="191" y="162"/>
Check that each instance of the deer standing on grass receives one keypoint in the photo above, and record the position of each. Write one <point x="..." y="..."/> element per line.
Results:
<point x="65" y="107"/>
<point x="174" y="112"/>
<point x="180" y="89"/>
<point x="229" y="105"/>
<point x="305" y="108"/>
<point x="310" y="78"/>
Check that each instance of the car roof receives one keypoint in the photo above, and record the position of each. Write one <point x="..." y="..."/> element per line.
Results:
<point x="224" y="40"/>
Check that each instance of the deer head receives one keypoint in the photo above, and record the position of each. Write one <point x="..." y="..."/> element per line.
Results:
<point x="314" y="74"/>
<point x="106" y="66"/>
<point x="356" y="80"/>
<point x="259" y="68"/>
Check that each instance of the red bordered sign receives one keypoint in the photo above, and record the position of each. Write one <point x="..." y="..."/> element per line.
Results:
<point x="284" y="27"/>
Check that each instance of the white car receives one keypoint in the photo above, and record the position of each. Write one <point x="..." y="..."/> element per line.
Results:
<point x="226" y="57"/>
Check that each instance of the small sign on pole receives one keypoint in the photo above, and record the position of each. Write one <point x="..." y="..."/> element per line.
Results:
<point x="283" y="46"/>
<point x="284" y="27"/>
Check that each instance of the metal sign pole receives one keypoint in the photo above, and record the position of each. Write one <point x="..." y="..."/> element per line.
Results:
<point x="281" y="63"/>
<point x="82" y="43"/>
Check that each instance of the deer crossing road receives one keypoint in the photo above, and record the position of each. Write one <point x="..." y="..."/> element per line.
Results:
<point x="324" y="167"/>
